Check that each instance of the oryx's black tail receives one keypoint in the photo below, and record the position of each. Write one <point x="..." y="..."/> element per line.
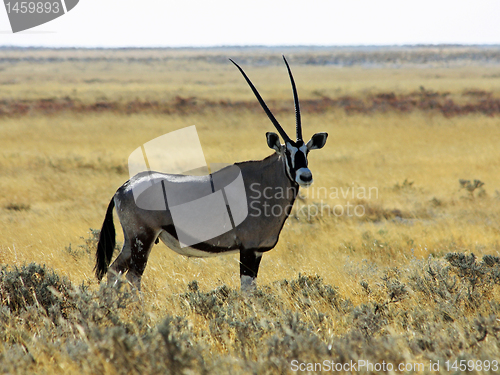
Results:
<point x="106" y="244"/>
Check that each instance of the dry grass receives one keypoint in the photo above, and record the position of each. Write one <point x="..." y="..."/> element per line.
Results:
<point x="58" y="172"/>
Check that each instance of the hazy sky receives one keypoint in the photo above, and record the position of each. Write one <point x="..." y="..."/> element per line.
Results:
<point x="146" y="23"/>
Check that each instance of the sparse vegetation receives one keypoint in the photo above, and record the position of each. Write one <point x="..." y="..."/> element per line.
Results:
<point x="415" y="278"/>
<point x="415" y="313"/>
<point x="17" y="206"/>
<point x="471" y="186"/>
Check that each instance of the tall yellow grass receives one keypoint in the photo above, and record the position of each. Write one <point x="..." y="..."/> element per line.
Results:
<point x="66" y="169"/>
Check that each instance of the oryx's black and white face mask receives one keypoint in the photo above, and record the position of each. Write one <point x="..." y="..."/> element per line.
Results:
<point x="294" y="153"/>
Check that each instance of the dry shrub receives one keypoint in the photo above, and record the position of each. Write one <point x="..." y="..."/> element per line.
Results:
<point x="430" y="310"/>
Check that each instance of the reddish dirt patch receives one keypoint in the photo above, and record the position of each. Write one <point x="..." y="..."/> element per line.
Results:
<point x="472" y="101"/>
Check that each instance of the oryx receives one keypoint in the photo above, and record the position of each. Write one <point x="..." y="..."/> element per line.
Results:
<point x="271" y="186"/>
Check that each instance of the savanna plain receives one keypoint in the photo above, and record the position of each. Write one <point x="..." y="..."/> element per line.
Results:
<point x="391" y="258"/>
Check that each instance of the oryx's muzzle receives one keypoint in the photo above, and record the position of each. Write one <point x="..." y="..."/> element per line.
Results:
<point x="304" y="177"/>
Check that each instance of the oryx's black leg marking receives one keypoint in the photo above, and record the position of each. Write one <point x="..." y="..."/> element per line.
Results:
<point x="121" y="263"/>
<point x="249" y="267"/>
<point x="141" y="245"/>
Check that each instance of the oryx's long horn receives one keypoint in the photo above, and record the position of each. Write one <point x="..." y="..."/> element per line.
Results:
<point x="298" y="124"/>
<point x="285" y="137"/>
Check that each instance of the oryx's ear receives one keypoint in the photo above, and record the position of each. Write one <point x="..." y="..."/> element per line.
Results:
<point x="273" y="141"/>
<point x="317" y="141"/>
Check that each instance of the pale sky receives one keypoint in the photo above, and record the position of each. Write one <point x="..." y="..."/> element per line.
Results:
<point x="147" y="23"/>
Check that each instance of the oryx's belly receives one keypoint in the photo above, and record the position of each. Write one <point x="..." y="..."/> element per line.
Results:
<point x="173" y="244"/>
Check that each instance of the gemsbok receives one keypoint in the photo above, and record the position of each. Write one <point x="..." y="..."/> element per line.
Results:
<point x="271" y="186"/>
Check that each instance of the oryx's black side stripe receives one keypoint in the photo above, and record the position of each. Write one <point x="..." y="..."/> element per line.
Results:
<point x="170" y="229"/>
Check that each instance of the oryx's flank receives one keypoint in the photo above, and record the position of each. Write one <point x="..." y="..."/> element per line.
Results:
<point x="272" y="183"/>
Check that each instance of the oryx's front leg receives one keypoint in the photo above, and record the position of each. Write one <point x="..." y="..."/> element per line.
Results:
<point x="249" y="266"/>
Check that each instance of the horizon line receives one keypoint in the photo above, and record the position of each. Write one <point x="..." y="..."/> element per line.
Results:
<point x="253" y="46"/>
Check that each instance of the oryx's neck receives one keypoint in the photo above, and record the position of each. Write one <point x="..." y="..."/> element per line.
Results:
<point x="270" y="197"/>
<point x="269" y="172"/>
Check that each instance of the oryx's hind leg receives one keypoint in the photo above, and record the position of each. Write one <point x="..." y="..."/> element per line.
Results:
<point x="122" y="262"/>
<point x="249" y="267"/>
<point x="140" y="246"/>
